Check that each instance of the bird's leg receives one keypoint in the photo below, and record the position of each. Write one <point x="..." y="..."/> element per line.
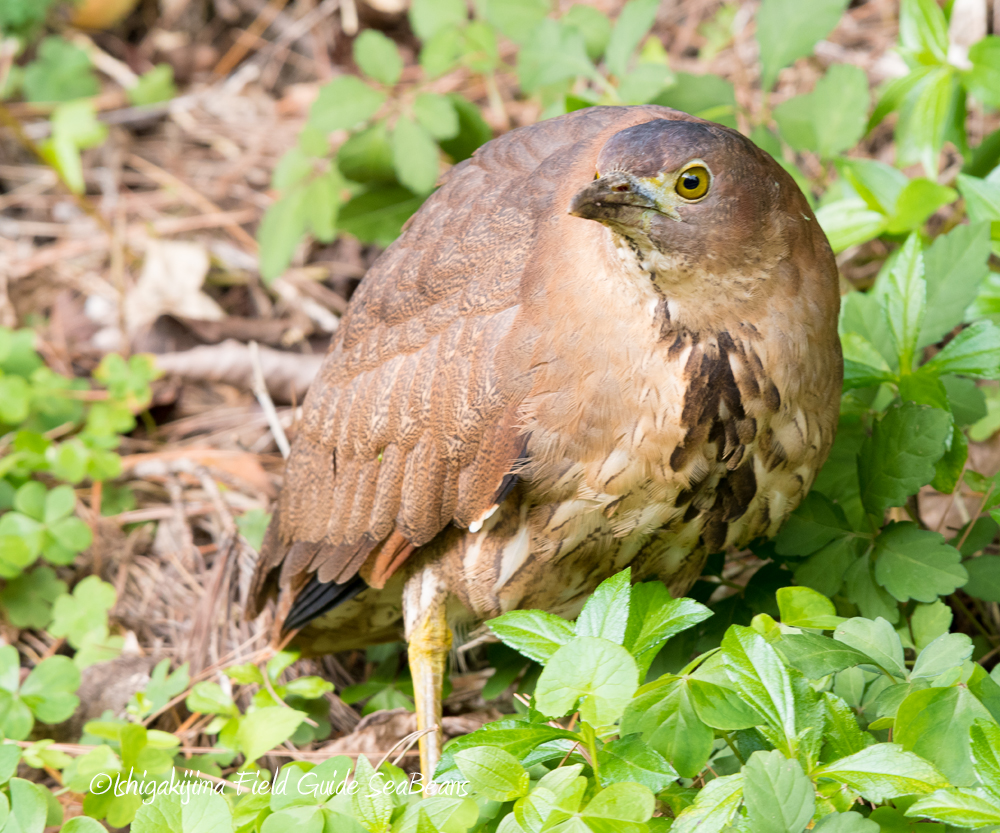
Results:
<point x="429" y="640"/>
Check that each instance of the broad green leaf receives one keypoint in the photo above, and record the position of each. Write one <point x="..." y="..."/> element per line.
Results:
<point x="378" y="57"/>
<point x="915" y="563"/>
<point x="878" y="184"/>
<point x="872" y="599"/>
<point x="958" y="807"/>
<point x="817" y="656"/>
<point x="841" y="734"/>
<point x="61" y="71"/>
<point x="49" y="689"/>
<point x="946" y="652"/>
<point x="814" y="524"/>
<point x="371" y="805"/>
<point x="28" y="807"/>
<point x="788" y="30"/>
<point x="598" y="673"/>
<point x="824" y="570"/>
<point x="720" y="707"/>
<point x="536" y="634"/>
<point x="415" y="156"/>
<point x="377" y="214"/>
<point x="761" y="678"/>
<point x="984" y="577"/>
<point x="923" y="31"/>
<point x="713" y="808"/>
<point x="706" y="96"/>
<point x="928" y="622"/>
<point x="899" y="457"/>
<point x="197" y="812"/>
<point x="629" y="760"/>
<point x="666" y="718"/>
<point x="606" y="612"/>
<point x="934" y="723"/>
<point x="974" y="352"/>
<point x="905" y="301"/>
<point x="778" y="795"/>
<point x="85" y="611"/>
<point x="634" y="21"/>
<point x="262" y="730"/>
<point x="983" y="79"/>
<point x="846" y="823"/>
<point x="593" y="25"/>
<point x="280" y="233"/>
<point x="436" y="114"/>
<point x="876" y="639"/>
<point x="343" y="103"/>
<point x="985" y="741"/>
<point x="924" y="119"/>
<point x="428" y="17"/>
<point x="552" y="53"/>
<point x="917" y="202"/>
<point x="801" y="607"/>
<point x="954" y="267"/>
<point x="849" y="222"/>
<point x="832" y="118"/>
<point x="493" y="772"/>
<point x="982" y="198"/>
<point x="620" y="807"/>
<point x="655" y="617"/>
<point x="27" y="600"/>
<point x="882" y="772"/>
<point x="516" y="19"/>
<point x="447" y="814"/>
<point x="864" y="365"/>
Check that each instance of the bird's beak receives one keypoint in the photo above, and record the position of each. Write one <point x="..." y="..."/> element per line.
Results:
<point x="616" y="196"/>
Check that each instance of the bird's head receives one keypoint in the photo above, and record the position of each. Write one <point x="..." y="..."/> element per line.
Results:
<point x="693" y="195"/>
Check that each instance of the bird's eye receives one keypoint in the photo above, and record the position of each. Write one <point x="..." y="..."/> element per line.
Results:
<point x="693" y="183"/>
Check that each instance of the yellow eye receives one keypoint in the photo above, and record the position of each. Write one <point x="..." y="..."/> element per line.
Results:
<point x="692" y="184"/>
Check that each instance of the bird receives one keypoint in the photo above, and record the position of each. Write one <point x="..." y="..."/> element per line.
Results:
<point x="607" y="340"/>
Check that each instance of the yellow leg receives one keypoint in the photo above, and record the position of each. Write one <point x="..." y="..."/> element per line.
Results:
<point x="429" y="644"/>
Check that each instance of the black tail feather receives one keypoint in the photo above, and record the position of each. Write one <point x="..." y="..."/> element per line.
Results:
<point x="318" y="597"/>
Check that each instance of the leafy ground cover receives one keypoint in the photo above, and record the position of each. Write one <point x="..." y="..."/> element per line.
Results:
<point x="838" y="677"/>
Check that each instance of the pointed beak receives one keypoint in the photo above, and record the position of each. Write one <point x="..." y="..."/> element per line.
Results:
<point x="618" y="197"/>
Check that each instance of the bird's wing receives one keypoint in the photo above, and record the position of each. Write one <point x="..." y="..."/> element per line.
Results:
<point x="412" y="422"/>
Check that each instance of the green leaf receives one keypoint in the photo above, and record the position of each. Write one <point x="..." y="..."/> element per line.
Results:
<point x="983" y="80"/>
<point x="596" y="672"/>
<point x="82" y="824"/>
<point x="322" y="198"/>
<point x="905" y="301"/>
<point x="876" y="639"/>
<point x="778" y="795"/>
<point x="30" y="499"/>
<point x="801" y="607"/>
<point x="923" y="30"/>
<point x="787" y="31"/>
<point x="620" y="807"/>
<point x="984" y="737"/>
<point x="924" y="119"/>
<point x="945" y="653"/>
<point x="629" y="759"/>
<point x="654" y="617"/>
<point x="634" y="21"/>
<point x="957" y="807"/>
<point x="436" y="114"/>
<point x="593" y="25"/>
<point x="493" y="772"/>
<point x="518" y="737"/>
<point x="49" y="689"/>
<point x="882" y="772"/>
<point x="372" y="807"/>
<point x="915" y="563"/>
<point x="209" y="698"/>
<point x="706" y="96"/>
<point x="954" y="267"/>
<point x="842" y="735"/>
<point x="864" y="365"/>
<point x="28" y="806"/>
<point x="606" y="612"/>
<point x="974" y="352"/>
<point x="83" y="612"/>
<point x="830" y="119"/>
<point x="154" y="86"/>
<point x="984" y="577"/>
<point x="982" y="198"/>
<point x="917" y="202"/>
<point x="849" y="222"/>
<point x="473" y="131"/>
<point x="377" y="214"/>
<point x="414" y="156"/>
<point x="60" y="72"/>
<point x="536" y="634"/>
<point x="846" y="823"/>
<point x="899" y="457"/>
<point x="280" y="231"/>
<point x="344" y="103"/>
<point x="516" y="19"/>
<point x="719" y="707"/>
<point x="552" y="53"/>
<point x="378" y="57"/>
<point x="262" y="730"/>
<point x="816" y="522"/>
<point x="817" y="656"/>
<point x="758" y="674"/>
<point x="665" y="717"/>
<point x="15" y="399"/>
<point x="934" y="723"/>
<point x="197" y="812"/>
<point x="714" y="807"/>
<point x="27" y="600"/>
<point x="428" y="17"/>
<point x="878" y="184"/>
<point x="447" y="814"/>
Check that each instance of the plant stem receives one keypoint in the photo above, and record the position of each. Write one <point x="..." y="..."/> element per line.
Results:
<point x="731" y="745"/>
<point x="590" y="738"/>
